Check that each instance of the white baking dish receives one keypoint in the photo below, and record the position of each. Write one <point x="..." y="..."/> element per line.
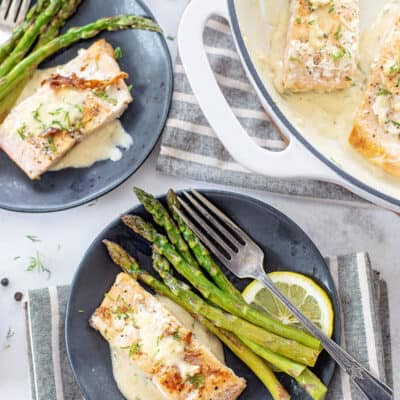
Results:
<point x="307" y="155"/>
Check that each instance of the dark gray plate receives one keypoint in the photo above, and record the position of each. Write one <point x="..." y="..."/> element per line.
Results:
<point x="286" y="247"/>
<point x="146" y="59"/>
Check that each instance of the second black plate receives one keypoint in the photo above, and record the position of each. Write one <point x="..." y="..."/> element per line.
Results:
<point x="286" y="247"/>
<point x="147" y="61"/>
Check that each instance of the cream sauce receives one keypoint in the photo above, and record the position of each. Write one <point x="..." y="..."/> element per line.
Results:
<point x="325" y="119"/>
<point x="104" y="144"/>
<point x="133" y="383"/>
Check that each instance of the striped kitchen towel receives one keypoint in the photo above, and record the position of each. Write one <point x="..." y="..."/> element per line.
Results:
<point x="365" y="316"/>
<point x="190" y="148"/>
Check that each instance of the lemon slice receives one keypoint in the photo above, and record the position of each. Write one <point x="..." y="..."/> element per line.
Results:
<point x="310" y="298"/>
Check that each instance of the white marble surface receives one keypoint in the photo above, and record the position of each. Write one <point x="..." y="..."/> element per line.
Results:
<point x="66" y="235"/>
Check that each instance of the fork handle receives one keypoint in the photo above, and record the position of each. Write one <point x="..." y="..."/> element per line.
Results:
<point x="372" y="387"/>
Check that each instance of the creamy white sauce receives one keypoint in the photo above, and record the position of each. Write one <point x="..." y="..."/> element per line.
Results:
<point x="326" y="120"/>
<point x="104" y="144"/>
<point x="133" y="383"/>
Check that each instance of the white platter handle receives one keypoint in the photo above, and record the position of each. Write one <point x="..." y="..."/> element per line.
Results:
<point x="293" y="162"/>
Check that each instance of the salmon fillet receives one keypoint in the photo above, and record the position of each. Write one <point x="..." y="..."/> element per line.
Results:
<point x="130" y="318"/>
<point x="322" y="45"/>
<point x="79" y="98"/>
<point x="376" y="130"/>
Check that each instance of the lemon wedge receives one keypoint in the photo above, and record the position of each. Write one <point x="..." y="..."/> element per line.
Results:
<point x="309" y="297"/>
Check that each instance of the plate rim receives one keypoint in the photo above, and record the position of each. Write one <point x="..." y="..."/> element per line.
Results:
<point x="227" y="194"/>
<point x="130" y="172"/>
<point x="278" y="114"/>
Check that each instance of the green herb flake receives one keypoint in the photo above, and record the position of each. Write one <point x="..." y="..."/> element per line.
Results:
<point x="33" y="238"/>
<point x="176" y="335"/>
<point x="331" y="8"/>
<point x="36" y="264"/>
<point x="36" y="113"/>
<point x="383" y="92"/>
<point x="10" y="334"/>
<point x="134" y="349"/>
<point x="298" y="20"/>
<point x="169" y="37"/>
<point x="130" y="87"/>
<point x="338" y="33"/>
<point x="104" y="96"/>
<point x="294" y="59"/>
<point x="197" y="380"/>
<point x="22" y="131"/>
<point x="17" y="258"/>
<point x="118" y="53"/>
<point x="347" y="78"/>
<point x="395" y="123"/>
<point x="52" y="145"/>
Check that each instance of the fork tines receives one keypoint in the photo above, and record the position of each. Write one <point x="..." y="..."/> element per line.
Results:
<point x="12" y="12"/>
<point x="218" y="232"/>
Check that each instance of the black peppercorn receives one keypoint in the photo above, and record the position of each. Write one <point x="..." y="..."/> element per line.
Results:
<point x="5" y="282"/>
<point x="18" y="296"/>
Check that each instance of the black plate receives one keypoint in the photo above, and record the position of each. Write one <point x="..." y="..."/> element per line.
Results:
<point x="146" y="59"/>
<point x="287" y="248"/>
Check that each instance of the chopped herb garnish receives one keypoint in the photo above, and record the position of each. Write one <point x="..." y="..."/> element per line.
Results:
<point x="347" y="78"/>
<point x="169" y="37"/>
<point x="383" y="92"/>
<point x="395" y="123"/>
<point x="310" y="5"/>
<point x="118" y="53"/>
<point x="294" y="59"/>
<point x="104" y="96"/>
<point x="325" y="35"/>
<point x="56" y="111"/>
<point x="36" y="264"/>
<point x="197" y="380"/>
<point x="395" y="68"/>
<point x="36" y="113"/>
<point x="10" y="334"/>
<point x="130" y="87"/>
<point x="58" y="123"/>
<point x="33" y="238"/>
<point x="176" y="335"/>
<point x="331" y="8"/>
<point x="298" y="20"/>
<point x="134" y="349"/>
<point x="17" y="258"/>
<point x="52" y="145"/>
<point x="22" y="131"/>
<point x="338" y="33"/>
<point x="341" y="53"/>
<point x="311" y="22"/>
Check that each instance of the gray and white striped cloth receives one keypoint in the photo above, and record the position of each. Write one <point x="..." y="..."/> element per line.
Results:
<point x="366" y="333"/>
<point x="191" y="149"/>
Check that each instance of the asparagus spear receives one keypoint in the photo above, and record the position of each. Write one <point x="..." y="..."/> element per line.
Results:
<point x="200" y="251"/>
<point x="195" y="304"/>
<point x="258" y="366"/>
<point x="29" y="37"/>
<point x="212" y="292"/>
<point x="7" y="47"/>
<point x="67" y="10"/>
<point x="312" y="385"/>
<point x="26" y="66"/>
<point x="130" y="266"/>
<point x="162" y="218"/>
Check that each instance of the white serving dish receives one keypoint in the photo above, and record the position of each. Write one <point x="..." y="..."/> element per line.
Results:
<point x="308" y="155"/>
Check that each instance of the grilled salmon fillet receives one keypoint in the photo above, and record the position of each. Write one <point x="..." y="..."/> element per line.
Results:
<point x="376" y="130"/>
<point x="80" y="97"/>
<point x="130" y="318"/>
<point x="322" y="45"/>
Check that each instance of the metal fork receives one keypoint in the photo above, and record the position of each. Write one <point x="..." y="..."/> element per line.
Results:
<point x="241" y="255"/>
<point x="12" y="13"/>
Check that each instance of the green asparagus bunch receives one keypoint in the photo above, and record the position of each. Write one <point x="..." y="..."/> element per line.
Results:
<point x="24" y="68"/>
<point x="211" y="292"/>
